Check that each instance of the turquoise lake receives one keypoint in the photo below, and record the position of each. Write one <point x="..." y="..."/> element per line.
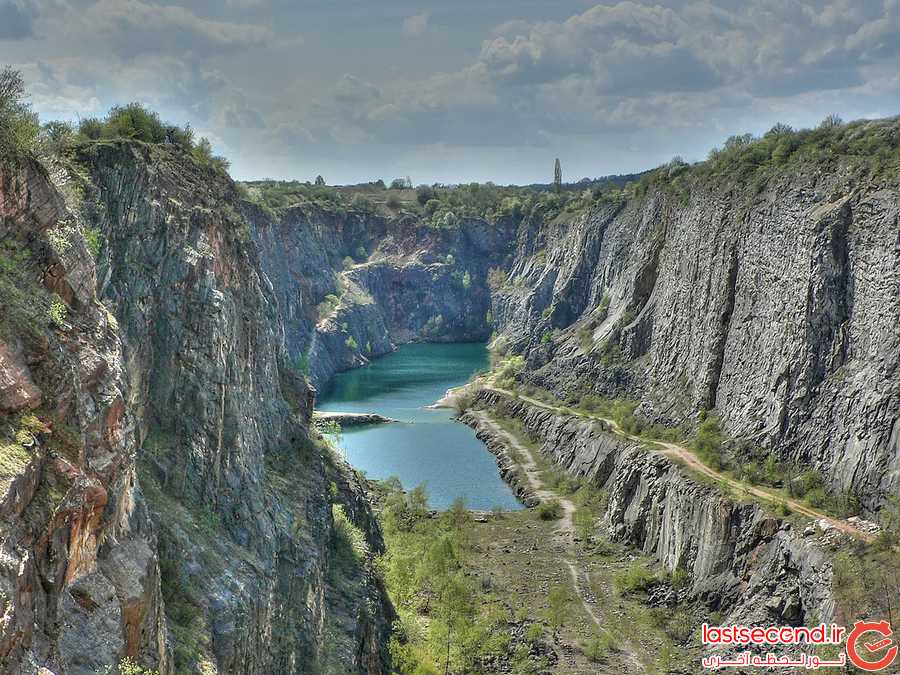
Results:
<point x="428" y="446"/>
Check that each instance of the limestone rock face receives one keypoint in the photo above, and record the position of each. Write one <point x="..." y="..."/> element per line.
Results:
<point x="738" y="558"/>
<point x="391" y="280"/>
<point x="231" y="466"/>
<point x="164" y="497"/>
<point x="79" y="575"/>
<point x="780" y="310"/>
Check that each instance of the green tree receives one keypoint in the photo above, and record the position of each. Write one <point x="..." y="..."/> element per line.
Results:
<point x="558" y="605"/>
<point x="203" y="153"/>
<point x="18" y="123"/>
<point x="425" y="194"/>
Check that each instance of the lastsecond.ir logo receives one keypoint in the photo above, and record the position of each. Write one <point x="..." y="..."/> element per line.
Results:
<point x="869" y="638"/>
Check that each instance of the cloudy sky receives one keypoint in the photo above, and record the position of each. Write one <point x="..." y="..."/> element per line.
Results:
<point x="463" y="89"/>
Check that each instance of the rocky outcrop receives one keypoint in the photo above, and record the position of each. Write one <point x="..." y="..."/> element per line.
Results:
<point x="751" y="566"/>
<point x="164" y="496"/>
<point x="234" y="475"/>
<point x="79" y="575"/>
<point x="776" y="306"/>
<point x="17" y="389"/>
<point x="349" y="419"/>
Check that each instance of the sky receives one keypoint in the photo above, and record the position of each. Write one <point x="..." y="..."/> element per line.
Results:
<point x="462" y="90"/>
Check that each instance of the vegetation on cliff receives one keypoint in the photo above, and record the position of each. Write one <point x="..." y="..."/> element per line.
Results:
<point x="871" y="148"/>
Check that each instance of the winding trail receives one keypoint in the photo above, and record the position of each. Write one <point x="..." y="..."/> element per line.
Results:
<point x="687" y="456"/>
<point x="566" y="530"/>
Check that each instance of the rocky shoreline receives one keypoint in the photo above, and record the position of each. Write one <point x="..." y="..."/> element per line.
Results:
<point x="350" y="419"/>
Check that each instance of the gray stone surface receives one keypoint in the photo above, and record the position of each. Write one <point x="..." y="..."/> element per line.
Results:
<point x="780" y="310"/>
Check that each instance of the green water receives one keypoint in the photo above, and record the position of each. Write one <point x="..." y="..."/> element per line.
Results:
<point x="428" y="446"/>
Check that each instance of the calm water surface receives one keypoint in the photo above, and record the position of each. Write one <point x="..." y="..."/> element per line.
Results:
<point x="428" y="446"/>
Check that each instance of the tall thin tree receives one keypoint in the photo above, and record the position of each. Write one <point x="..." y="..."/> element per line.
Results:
<point x="557" y="177"/>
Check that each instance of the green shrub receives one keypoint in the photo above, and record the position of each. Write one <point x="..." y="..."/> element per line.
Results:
<point x="680" y="577"/>
<point x="635" y="578"/>
<point x="56" y="137"/>
<point x="807" y="482"/>
<point x="135" y="122"/>
<point x="93" y="241"/>
<point x="508" y="369"/>
<point x="425" y="194"/>
<point x="58" y="313"/>
<point x="549" y="510"/>
<point x="91" y="128"/>
<point x="348" y="544"/>
<point x="203" y="154"/>
<point x="535" y="632"/>
<point x="817" y="498"/>
<point x="708" y="441"/>
<point x="598" y="647"/>
<point x="558" y="600"/>
<point x="351" y="343"/>
<point x="679" y="627"/>
<point x="327" y="306"/>
<point x="302" y="364"/>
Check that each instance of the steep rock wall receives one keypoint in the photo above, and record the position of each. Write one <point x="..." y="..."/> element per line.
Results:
<point x="235" y="480"/>
<point x="409" y="281"/>
<point x="79" y="576"/>
<point x="778" y="309"/>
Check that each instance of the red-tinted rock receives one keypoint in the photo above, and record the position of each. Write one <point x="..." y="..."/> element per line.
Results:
<point x="17" y="390"/>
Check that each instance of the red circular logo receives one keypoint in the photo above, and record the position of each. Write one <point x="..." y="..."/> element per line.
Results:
<point x="856" y="647"/>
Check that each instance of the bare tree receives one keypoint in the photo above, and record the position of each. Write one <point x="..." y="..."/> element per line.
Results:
<point x="12" y="88"/>
<point x="557" y="177"/>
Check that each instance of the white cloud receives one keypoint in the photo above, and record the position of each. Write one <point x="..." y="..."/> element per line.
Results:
<point x="631" y="75"/>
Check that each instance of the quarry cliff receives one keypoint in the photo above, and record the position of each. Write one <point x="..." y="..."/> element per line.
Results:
<point x="164" y="330"/>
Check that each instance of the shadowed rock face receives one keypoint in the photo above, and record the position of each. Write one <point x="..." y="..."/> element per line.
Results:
<point x="404" y="289"/>
<point x="171" y="443"/>
<point x="225" y="425"/>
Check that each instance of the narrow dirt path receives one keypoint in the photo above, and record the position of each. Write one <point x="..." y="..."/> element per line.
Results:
<point x="532" y="473"/>
<point x="691" y="460"/>
<point x="566" y="530"/>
